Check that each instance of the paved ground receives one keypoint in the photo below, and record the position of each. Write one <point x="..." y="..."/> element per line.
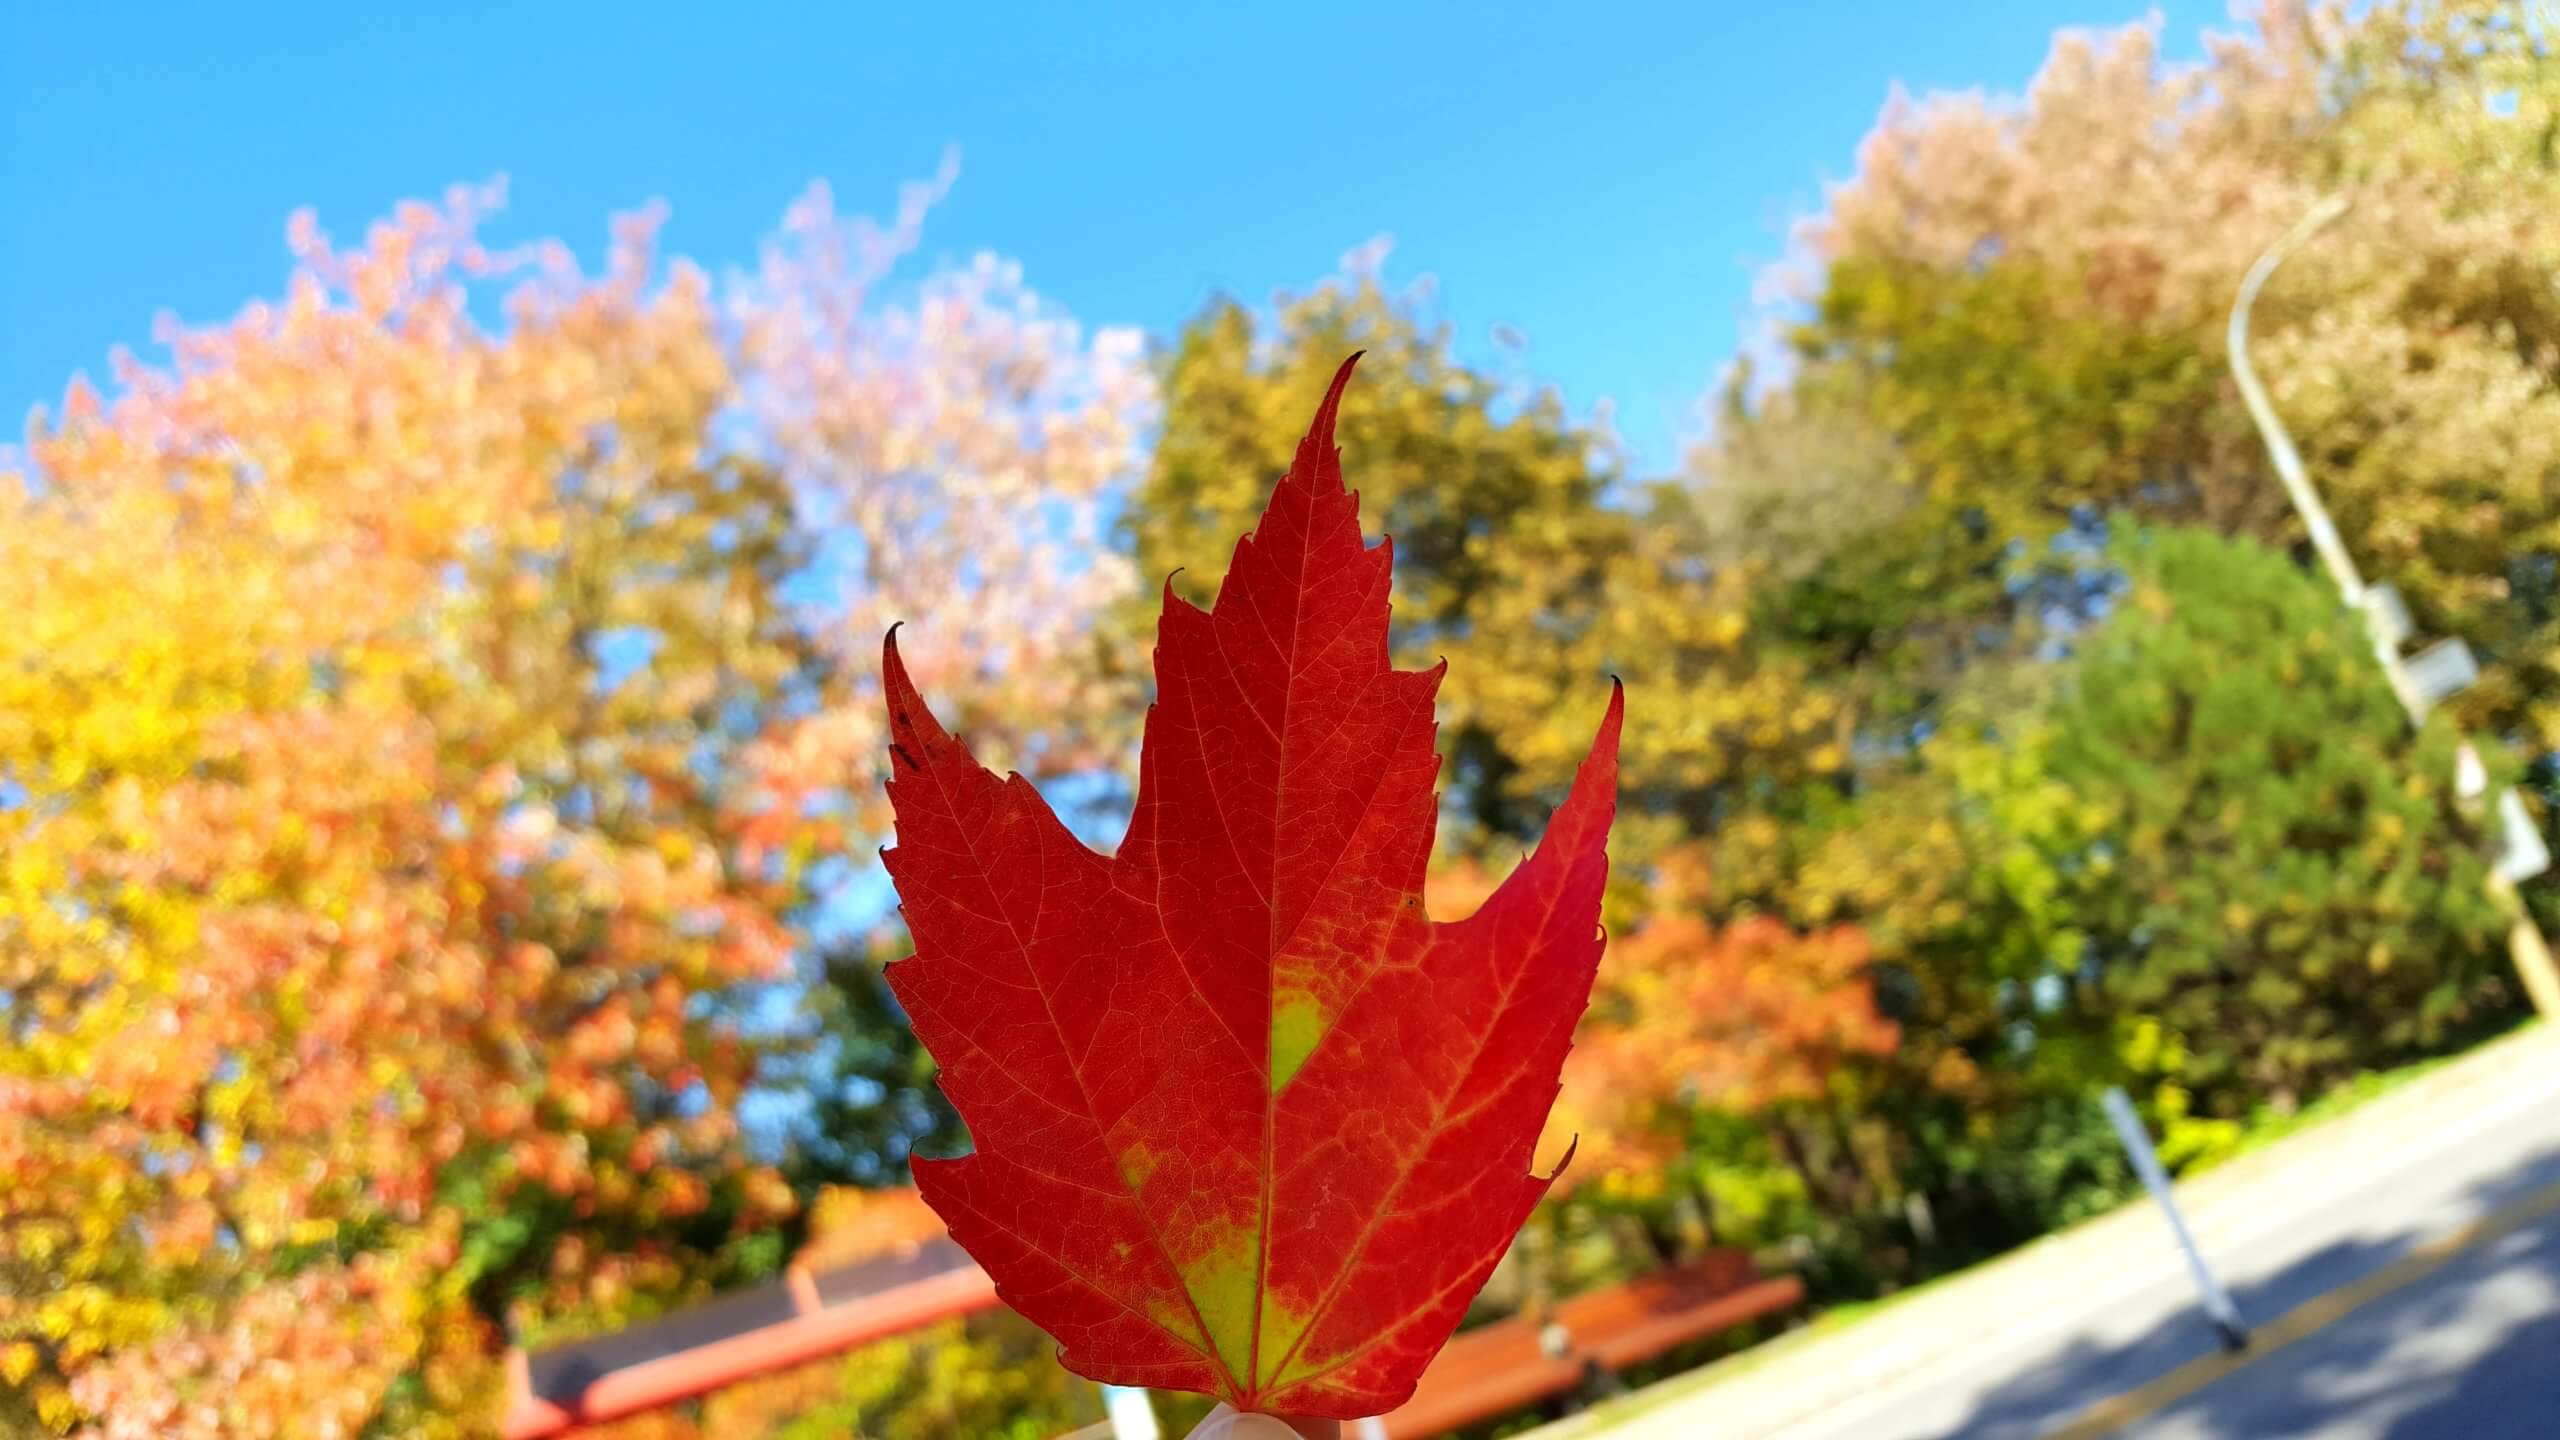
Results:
<point x="2470" y="1352"/>
<point x="2402" y="1265"/>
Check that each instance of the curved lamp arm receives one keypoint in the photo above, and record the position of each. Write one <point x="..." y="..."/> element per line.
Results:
<point x="2288" y="461"/>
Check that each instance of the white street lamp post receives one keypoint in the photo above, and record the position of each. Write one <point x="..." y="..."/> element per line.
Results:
<point x="2447" y="666"/>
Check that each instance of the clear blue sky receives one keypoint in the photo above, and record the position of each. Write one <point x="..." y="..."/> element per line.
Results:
<point x="1602" y="177"/>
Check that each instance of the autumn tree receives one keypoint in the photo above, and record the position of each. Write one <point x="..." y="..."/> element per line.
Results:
<point x="419" y="737"/>
<point x="358" y="909"/>
<point x="2275" y="869"/>
<point x="1521" y="558"/>
<point x="952" y="459"/>
<point x="955" y="457"/>
<point x="1751" y="1018"/>
<point x="2028" y="298"/>
<point x="2196" y="852"/>
<point x="2004" y="333"/>
<point x="2210" y="820"/>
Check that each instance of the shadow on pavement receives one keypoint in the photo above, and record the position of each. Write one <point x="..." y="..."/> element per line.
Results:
<point x="2471" y="1349"/>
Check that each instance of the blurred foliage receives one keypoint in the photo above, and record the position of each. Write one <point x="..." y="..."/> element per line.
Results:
<point x="2144" y="811"/>
<point x="1520" y="560"/>
<point x="1693" y="1017"/>
<point x="439" y="765"/>
<point x="995" y="1377"/>
<point x="421" y="746"/>
<point x="2214" y="819"/>
<point x="2003" y="392"/>
<point x="2277" y="873"/>
<point x="365" y="930"/>
<point x="2028" y="303"/>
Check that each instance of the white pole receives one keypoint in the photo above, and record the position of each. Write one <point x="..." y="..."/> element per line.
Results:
<point x="2218" y="1308"/>
<point x="2297" y="484"/>
<point x="2525" y="944"/>
<point x="1132" y="1418"/>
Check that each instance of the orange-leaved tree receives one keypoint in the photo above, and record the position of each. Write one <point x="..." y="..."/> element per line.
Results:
<point x="410" y="741"/>
<point x="1693" y="1014"/>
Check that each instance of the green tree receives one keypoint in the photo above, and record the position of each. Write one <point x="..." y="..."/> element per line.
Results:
<point x="2007" y="393"/>
<point x="2199" y="854"/>
<point x="2210" y="819"/>
<point x="2276" y="872"/>
<point x="1892" y="548"/>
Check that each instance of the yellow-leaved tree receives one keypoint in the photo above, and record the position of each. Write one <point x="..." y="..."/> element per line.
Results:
<point x="416" y="735"/>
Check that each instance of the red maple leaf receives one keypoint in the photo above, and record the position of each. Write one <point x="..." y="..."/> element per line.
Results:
<point x="1246" y="1121"/>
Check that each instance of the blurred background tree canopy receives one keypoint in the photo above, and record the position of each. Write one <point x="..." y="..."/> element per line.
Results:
<point x="439" y="768"/>
<point x="427" y="747"/>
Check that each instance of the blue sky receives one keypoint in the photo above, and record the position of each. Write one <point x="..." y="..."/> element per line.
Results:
<point x="1602" y="178"/>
